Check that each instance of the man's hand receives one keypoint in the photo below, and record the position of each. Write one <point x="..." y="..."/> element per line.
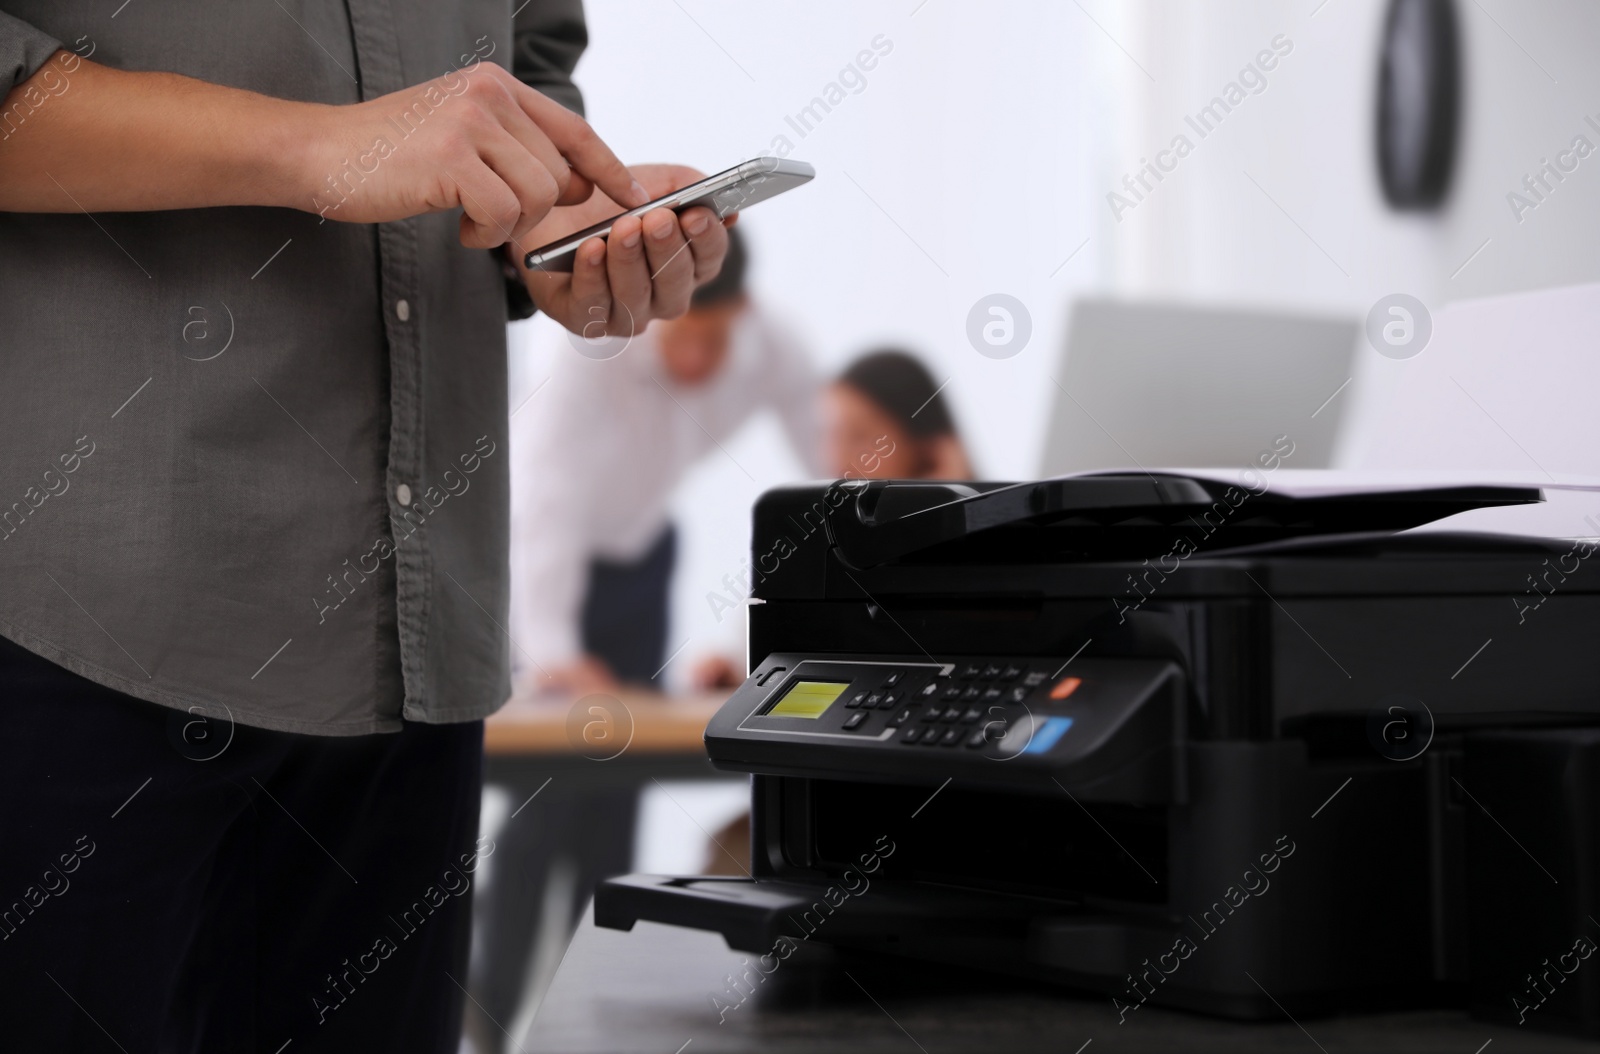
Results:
<point x="477" y="139"/>
<point x="645" y="270"/>
<point x="713" y="672"/>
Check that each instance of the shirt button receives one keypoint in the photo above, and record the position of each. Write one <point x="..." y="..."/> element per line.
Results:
<point x="402" y="493"/>
<point x="402" y="310"/>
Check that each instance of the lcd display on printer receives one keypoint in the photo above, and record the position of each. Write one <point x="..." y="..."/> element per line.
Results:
<point x="808" y="699"/>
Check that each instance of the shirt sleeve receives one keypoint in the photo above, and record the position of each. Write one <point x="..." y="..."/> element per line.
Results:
<point x="549" y="548"/>
<point x="23" y="49"/>
<point x="548" y="38"/>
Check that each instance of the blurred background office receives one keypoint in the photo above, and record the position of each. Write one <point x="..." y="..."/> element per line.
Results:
<point x="1118" y="234"/>
<point x="965" y="153"/>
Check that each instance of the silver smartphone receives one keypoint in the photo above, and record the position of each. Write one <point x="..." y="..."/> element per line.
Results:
<point x="724" y="193"/>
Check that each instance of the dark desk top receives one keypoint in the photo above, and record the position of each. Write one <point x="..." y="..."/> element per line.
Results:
<point x="650" y="991"/>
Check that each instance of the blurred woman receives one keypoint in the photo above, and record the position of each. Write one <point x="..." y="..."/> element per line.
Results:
<point x="885" y="417"/>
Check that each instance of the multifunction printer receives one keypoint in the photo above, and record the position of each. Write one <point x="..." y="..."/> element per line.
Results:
<point x="1169" y="738"/>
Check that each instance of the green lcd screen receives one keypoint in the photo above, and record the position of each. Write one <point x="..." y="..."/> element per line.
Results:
<point x="808" y="698"/>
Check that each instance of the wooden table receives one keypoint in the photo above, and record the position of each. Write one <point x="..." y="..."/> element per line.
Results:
<point x="542" y="725"/>
<point x="628" y="737"/>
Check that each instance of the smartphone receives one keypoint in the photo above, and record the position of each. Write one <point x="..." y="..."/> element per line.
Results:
<point x="724" y="193"/>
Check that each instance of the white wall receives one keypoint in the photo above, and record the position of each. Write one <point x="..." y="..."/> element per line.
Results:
<point x="1308" y="140"/>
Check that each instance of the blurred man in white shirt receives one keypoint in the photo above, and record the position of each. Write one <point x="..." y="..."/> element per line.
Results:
<point x="596" y="459"/>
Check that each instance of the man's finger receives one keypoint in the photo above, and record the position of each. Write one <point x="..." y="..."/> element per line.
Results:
<point x="627" y="270"/>
<point x="503" y="105"/>
<point x="577" y="192"/>
<point x="708" y="241"/>
<point x="526" y="175"/>
<point x="671" y="264"/>
<point x="585" y="150"/>
<point x="591" y="291"/>
<point x="490" y="207"/>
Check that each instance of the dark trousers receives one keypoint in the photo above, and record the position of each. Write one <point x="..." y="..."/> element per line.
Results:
<point x="625" y="610"/>
<point x="587" y="831"/>
<point x="172" y="882"/>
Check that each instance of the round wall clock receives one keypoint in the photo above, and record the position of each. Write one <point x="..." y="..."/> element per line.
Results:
<point x="1419" y="101"/>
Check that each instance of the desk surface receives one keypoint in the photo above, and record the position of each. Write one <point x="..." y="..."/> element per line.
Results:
<point x="597" y="725"/>
<point x="650" y="991"/>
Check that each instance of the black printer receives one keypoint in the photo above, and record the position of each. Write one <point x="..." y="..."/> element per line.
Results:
<point x="1171" y="739"/>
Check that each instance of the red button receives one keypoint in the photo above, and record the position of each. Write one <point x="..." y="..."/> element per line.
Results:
<point x="1065" y="687"/>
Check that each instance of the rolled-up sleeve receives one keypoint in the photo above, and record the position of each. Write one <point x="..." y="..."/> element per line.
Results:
<point x="23" y="49"/>
<point x="548" y="38"/>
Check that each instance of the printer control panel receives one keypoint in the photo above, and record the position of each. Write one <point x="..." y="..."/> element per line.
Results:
<point x="901" y="717"/>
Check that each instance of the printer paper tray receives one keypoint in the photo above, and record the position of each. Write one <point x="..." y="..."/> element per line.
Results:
<point x="752" y="914"/>
<point x="973" y="929"/>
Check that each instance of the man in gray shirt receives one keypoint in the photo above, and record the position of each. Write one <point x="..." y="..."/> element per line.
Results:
<point x="256" y="262"/>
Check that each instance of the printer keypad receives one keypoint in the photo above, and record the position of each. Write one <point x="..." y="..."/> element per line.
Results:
<point x="973" y="704"/>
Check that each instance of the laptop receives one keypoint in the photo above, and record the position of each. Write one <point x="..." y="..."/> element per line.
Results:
<point x="1148" y="385"/>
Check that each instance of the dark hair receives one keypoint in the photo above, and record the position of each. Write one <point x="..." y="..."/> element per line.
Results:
<point x="729" y="283"/>
<point x="900" y="384"/>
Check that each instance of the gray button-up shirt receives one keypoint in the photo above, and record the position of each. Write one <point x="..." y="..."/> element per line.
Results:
<point x="253" y="460"/>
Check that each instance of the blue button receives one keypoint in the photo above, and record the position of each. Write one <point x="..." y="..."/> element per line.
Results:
<point x="1047" y="734"/>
